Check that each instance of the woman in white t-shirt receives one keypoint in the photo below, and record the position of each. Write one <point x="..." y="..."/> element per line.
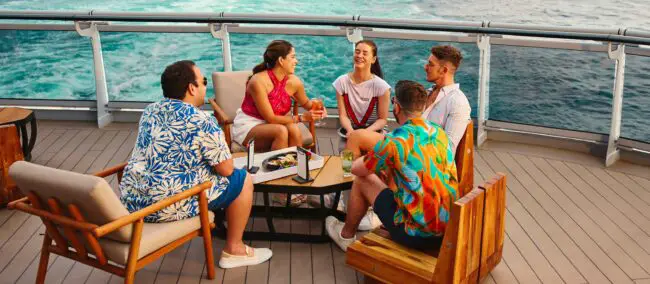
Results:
<point x="362" y="95"/>
<point x="363" y="98"/>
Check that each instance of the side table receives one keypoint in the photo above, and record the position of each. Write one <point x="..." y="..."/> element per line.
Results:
<point x="20" y="117"/>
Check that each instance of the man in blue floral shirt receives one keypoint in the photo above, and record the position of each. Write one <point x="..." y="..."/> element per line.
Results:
<point x="178" y="147"/>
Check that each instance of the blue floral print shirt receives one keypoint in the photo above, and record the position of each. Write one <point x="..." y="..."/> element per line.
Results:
<point x="176" y="149"/>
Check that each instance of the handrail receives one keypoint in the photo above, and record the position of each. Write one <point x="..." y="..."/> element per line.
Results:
<point x="309" y="20"/>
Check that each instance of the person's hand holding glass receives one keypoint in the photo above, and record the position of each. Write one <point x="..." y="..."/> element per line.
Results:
<point x="318" y="110"/>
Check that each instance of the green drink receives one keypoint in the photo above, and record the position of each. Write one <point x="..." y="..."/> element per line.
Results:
<point x="346" y="162"/>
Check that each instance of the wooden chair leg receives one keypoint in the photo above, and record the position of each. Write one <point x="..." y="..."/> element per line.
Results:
<point x="131" y="263"/>
<point x="45" y="258"/>
<point x="207" y="236"/>
<point x="369" y="280"/>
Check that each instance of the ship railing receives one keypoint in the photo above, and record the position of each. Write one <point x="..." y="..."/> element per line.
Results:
<point x="615" y="42"/>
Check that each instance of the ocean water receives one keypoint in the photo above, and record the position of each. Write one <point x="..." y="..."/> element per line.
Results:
<point x="556" y="88"/>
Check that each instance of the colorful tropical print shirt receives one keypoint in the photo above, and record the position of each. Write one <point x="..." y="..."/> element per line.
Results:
<point x="176" y="149"/>
<point x="418" y="161"/>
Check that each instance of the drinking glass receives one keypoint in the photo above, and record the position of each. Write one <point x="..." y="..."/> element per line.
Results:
<point x="317" y="104"/>
<point x="346" y="162"/>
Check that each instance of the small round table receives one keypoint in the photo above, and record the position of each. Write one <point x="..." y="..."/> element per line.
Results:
<point x="20" y="117"/>
<point x="328" y="179"/>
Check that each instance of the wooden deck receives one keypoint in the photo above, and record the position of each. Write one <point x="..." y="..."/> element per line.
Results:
<point x="569" y="220"/>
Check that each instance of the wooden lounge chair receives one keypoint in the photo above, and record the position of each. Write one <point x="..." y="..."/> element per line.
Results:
<point x="471" y="248"/>
<point x="89" y="224"/>
<point x="465" y="161"/>
<point x="10" y="152"/>
<point x="229" y="91"/>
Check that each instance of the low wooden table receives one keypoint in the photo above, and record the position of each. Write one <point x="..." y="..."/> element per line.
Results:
<point x="20" y="117"/>
<point x="328" y="179"/>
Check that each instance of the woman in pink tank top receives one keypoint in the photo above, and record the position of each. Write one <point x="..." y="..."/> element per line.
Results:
<point x="269" y="94"/>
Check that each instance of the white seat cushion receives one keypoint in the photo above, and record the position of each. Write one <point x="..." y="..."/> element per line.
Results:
<point x="154" y="236"/>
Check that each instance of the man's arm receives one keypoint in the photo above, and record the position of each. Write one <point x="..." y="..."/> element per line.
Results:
<point x="359" y="168"/>
<point x="225" y="168"/>
<point x="457" y="120"/>
<point x="362" y="140"/>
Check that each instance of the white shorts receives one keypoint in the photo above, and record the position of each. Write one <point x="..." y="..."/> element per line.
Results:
<point x="243" y="124"/>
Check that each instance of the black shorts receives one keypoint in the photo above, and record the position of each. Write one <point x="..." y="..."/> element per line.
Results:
<point x="385" y="208"/>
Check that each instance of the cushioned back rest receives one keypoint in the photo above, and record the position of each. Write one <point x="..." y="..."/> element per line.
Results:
<point x="229" y="90"/>
<point x="94" y="197"/>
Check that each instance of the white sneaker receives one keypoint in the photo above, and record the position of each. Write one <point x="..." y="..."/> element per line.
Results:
<point x="253" y="256"/>
<point x="369" y="222"/>
<point x="334" y="228"/>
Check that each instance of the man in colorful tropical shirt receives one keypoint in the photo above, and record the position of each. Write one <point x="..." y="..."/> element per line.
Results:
<point x="408" y="177"/>
<point x="178" y="147"/>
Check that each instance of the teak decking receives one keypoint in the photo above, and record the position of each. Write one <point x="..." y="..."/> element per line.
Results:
<point x="568" y="220"/>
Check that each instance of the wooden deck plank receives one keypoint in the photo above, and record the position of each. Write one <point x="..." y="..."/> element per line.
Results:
<point x="47" y="142"/>
<point x="567" y="210"/>
<point x="321" y="258"/>
<point x="108" y="153"/>
<point x="259" y="273"/>
<point x="23" y="258"/>
<point x="76" y="155"/>
<point x="10" y="226"/>
<point x="642" y="281"/>
<point x="644" y="183"/>
<point x="607" y="208"/>
<point x="301" y="266"/>
<point x="103" y="141"/>
<point x="632" y="213"/>
<point x="68" y="149"/>
<point x="542" y="229"/>
<point x="532" y="254"/>
<point x="98" y="276"/>
<point x="563" y="229"/>
<point x="503" y="274"/>
<point x="5" y="214"/>
<point x="18" y="240"/>
<point x="608" y="236"/>
<point x="596" y="207"/>
<point x="63" y="140"/>
<point x="217" y="247"/>
<point x="59" y="270"/>
<point x="171" y="267"/>
<point x="616" y="180"/>
<point x="280" y="265"/>
<point x="29" y="276"/>
<point x="193" y="263"/>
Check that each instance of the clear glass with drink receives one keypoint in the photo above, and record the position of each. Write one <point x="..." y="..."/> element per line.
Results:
<point x="346" y="162"/>
<point x="317" y="104"/>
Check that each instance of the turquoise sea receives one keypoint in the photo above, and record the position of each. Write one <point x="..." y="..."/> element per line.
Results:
<point x="556" y="88"/>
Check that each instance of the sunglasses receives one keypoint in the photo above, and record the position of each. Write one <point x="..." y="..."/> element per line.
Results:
<point x="205" y="82"/>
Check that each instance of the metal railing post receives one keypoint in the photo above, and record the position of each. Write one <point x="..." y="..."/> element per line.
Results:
<point x="220" y="31"/>
<point x="354" y="35"/>
<point x="613" y="152"/>
<point x="483" y="42"/>
<point x="104" y="117"/>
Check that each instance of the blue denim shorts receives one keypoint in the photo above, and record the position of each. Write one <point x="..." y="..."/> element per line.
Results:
<point x="385" y="207"/>
<point x="236" y="184"/>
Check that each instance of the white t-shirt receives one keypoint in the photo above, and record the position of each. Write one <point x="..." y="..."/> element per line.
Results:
<point x="360" y="95"/>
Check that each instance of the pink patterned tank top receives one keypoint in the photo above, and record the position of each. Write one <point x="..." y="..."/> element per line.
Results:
<point x="278" y="97"/>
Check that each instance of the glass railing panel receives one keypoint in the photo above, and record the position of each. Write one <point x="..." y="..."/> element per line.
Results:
<point x="135" y="61"/>
<point x="323" y="59"/>
<point x="51" y="65"/>
<point x="555" y="88"/>
<point x="636" y="99"/>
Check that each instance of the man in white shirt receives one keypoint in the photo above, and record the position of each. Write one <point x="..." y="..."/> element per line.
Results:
<point x="447" y="105"/>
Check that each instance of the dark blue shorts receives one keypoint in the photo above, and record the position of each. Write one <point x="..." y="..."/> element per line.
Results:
<point x="232" y="191"/>
<point x="385" y="207"/>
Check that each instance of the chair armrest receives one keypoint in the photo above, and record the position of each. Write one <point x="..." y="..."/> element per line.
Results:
<point x="137" y="215"/>
<point x="221" y="116"/>
<point x="110" y="171"/>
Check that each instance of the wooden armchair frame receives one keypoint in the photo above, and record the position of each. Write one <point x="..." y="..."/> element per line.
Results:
<point x="226" y="122"/>
<point x="471" y="247"/>
<point x="465" y="161"/>
<point x="53" y="216"/>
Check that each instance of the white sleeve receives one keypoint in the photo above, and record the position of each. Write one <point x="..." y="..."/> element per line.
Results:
<point x="338" y="84"/>
<point x="457" y="119"/>
<point x="381" y="87"/>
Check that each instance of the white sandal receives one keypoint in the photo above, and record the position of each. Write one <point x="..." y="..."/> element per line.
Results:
<point x="253" y="256"/>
